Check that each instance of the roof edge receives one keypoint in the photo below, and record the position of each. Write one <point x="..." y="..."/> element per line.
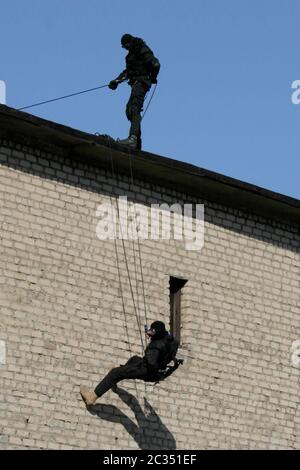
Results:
<point x="31" y="130"/>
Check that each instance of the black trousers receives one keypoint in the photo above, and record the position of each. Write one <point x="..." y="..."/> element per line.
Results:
<point x="135" y="368"/>
<point x="139" y="89"/>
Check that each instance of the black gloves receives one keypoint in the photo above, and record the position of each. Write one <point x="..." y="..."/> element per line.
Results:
<point x="113" y="84"/>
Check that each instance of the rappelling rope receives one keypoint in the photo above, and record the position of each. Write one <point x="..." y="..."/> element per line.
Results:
<point x="148" y="104"/>
<point x="126" y="260"/>
<point x="138" y="240"/>
<point x="63" y="97"/>
<point x="118" y="267"/>
<point x="119" y="277"/>
<point x="80" y="93"/>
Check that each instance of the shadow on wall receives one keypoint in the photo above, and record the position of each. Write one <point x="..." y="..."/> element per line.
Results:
<point x="150" y="433"/>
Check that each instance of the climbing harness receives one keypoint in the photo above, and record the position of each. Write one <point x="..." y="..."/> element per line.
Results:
<point x="164" y="373"/>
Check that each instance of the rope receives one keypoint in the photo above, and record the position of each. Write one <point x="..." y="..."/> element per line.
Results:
<point x="139" y="247"/>
<point x="80" y="93"/>
<point x="149" y="102"/>
<point x="122" y="296"/>
<point x="126" y="262"/>
<point x="119" y="271"/>
<point x="131" y="289"/>
<point x="62" y="97"/>
<point x="136" y="280"/>
<point x="143" y="285"/>
<point x="128" y="273"/>
<point x="119" y="277"/>
<point x="136" y="266"/>
<point x="138" y="239"/>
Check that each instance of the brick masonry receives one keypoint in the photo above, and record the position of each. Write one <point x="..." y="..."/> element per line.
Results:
<point x="63" y="324"/>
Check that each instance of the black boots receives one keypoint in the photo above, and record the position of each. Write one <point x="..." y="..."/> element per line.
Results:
<point x="88" y="397"/>
<point x="131" y="141"/>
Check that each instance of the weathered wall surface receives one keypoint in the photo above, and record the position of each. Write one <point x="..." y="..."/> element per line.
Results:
<point x="63" y="323"/>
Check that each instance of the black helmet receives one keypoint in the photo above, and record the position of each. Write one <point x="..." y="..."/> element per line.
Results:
<point x="158" y="329"/>
<point x="126" y="40"/>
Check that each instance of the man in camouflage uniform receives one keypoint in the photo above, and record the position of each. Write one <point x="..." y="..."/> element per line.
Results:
<point x="141" y="71"/>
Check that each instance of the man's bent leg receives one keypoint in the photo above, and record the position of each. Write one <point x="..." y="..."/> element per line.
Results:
<point x="120" y="373"/>
<point x="134" y="368"/>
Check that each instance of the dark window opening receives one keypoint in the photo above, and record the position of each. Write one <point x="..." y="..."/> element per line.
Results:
<point x="176" y="285"/>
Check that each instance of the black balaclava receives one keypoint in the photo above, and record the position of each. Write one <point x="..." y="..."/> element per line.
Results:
<point x="159" y="329"/>
<point x="126" y="39"/>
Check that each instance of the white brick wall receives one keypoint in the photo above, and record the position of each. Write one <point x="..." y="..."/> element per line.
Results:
<point x="63" y="324"/>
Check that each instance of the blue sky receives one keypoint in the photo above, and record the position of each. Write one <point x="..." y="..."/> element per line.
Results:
<point x="223" y="101"/>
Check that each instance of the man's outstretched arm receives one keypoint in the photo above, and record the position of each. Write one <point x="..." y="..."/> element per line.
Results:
<point x="113" y="84"/>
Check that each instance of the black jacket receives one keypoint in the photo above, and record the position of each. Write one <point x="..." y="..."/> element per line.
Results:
<point x="140" y="62"/>
<point x="157" y="352"/>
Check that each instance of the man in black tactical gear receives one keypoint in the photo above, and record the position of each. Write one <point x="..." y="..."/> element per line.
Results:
<point x="142" y="68"/>
<point x="157" y="356"/>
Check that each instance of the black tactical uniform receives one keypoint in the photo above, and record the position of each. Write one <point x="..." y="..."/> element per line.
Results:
<point x="142" y="68"/>
<point x="144" y="368"/>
